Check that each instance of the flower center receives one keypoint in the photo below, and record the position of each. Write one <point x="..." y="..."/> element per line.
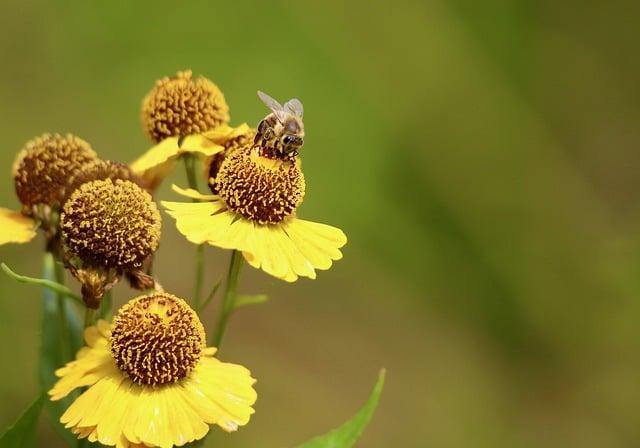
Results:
<point x="157" y="339"/>
<point x="260" y="189"/>
<point x="42" y="169"/>
<point x="101" y="170"/>
<point x="183" y="106"/>
<point x="111" y="223"/>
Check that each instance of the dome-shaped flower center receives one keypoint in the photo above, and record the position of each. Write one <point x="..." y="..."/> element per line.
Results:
<point x="183" y="106"/>
<point x="42" y="169"/>
<point x="113" y="224"/>
<point x="157" y="339"/>
<point x="260" y="189"/>
<point x="101" y="170"/>
<point x="230" y="145"/>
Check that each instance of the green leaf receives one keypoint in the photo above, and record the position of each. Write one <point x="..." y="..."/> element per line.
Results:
<point x="244" y="300"/>
<point x="47" y="283"/>
<point x="347" y="434"/>
<point x="23" y="432"/>
<point x="55" y="348"/>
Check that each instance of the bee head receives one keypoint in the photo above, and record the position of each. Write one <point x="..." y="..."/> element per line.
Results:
<point x="291" y="143"/>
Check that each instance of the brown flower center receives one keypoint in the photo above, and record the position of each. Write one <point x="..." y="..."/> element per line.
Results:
<point x="183" y="106"/>
<point x="113" y="224"/>
<point x="42" y="169"/>
<point x="260" y="189"/>
<point x="157" y="339"/>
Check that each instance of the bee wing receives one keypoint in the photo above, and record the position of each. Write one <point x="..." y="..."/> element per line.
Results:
<point x="295" y="107"/>
<point x="272" y="104"/>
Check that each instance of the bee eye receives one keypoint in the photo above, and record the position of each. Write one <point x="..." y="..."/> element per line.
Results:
<point x="288" y="139"/>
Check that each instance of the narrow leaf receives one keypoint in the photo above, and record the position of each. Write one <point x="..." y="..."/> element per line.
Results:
<point x="244" y="300"/>
<point x="56" y="351"/>
<point x="50" y="284"/>
<point x="346" y="435"/>
<point x="23" y="432"/>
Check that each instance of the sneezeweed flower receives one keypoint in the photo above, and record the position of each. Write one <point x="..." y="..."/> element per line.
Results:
<point x="151" y="379"/>
<point x="109" y="228"/>
<point x="175" y="115"/>
<point x="253" y="210"/>
<point x="41" y="172"/>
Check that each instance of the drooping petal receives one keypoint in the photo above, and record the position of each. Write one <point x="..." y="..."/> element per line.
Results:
<point x="221" y="393"/>
<point x="157" y="155"/>
<point x="224" y="133"/>
<point x="303" y="245"/>
<point x="15" y="227"/>
<point x="192" y="194"/>
<point x="200" y="144"/>
<point x="319" y="243"/>
<point x="92" y="363"/>
<point x="156" y="164"/>
<point x="199" y="222"/>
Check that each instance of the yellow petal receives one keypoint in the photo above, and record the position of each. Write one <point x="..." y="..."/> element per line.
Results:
<point x="89" y="367"/>
<point x="318" y="243"/>
<point x="199" y="144"/>
<point x="198" y="221"/>
<point x="224" y="133"/>
<point x="156" y="155"/>
<point x="302" y="245"/>
<point x="15" y="227"/>
<point x="193" y="194"/>
<point x="221" y="393"/>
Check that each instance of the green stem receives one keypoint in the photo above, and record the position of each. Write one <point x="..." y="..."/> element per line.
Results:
<point x="89" y="317"/>
<point x="48" y="283"/>
<point x="230" y="296"/>
<point x="197" y="289"/>
<point x="189" y="165"/>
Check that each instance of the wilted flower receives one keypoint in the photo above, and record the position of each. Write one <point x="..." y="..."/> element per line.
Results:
<point x="41" y="174"/>
<point x="109" y="228"/>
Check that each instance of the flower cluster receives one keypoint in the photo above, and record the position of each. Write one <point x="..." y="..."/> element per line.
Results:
<point x="148" y="377"/>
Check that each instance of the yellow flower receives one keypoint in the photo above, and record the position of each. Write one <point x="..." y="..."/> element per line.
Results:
<point x="151" y="379"/>
<point x="41" y="173"/>
<point x="253" y="210"/>
<point x="175" y="114"/>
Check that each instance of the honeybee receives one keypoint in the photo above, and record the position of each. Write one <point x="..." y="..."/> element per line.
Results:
<point x="280" y="134"/>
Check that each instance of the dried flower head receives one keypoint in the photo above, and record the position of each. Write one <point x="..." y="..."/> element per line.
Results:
<point x="181" y="106"/>
<point x="111" y="224"/>
<point x="262" y="190"/>
<point x="42" y="169"/>
<point x="157" y="339"/>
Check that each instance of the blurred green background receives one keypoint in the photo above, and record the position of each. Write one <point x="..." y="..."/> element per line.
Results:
<point x="482" y="157"/>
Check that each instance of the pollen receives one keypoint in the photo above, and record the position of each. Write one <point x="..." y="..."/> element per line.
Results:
<point x="181" y="106"/>
<point x="157" y="339"/>
<point x="111" y="224"/>
<point x="260" y="189"/>
<point x="43" y="167"/>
